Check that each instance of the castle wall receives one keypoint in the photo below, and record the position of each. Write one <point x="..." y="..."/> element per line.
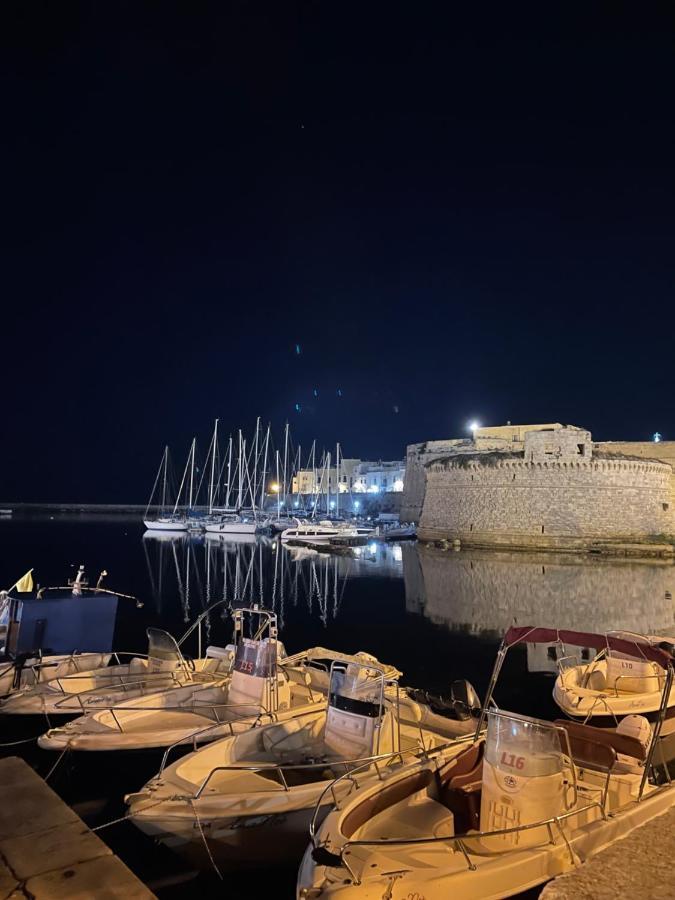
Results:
<point x="414" y="485"/>
<point x="556" y="503"/>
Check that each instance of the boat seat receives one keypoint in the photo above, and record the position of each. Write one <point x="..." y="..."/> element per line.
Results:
<point x="596" y="748"/>
<point x="213" y="652"/>
<point x="386" y="797"/>
<point x="595" y="681"/>
<point x="459" y="789"/>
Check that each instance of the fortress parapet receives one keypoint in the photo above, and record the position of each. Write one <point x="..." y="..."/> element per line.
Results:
<point x="550" y="488"/>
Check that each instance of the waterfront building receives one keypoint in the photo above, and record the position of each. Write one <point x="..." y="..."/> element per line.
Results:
<point x="356" y="476"/>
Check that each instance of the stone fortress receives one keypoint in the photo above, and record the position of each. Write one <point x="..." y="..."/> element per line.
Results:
<point x="542" y="487"/>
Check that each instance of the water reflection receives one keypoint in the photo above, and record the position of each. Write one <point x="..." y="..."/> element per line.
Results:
<point x="469" y="593"/>
<point x="484" y="593"/>
<point x="244" y="569"/>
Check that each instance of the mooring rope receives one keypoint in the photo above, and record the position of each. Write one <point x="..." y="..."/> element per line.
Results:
<point x="206" y="845"/>
<point x="16" y="743"/>
<point x="53" y="768"/>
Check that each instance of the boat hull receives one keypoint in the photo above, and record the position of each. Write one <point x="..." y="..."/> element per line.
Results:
<point x="158" y="525"/>
<point x="232" y="528"/>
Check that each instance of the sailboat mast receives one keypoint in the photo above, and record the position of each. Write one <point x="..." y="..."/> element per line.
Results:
<point x="166" y="466"/>
<point x="285" y="462"/>
<point x="328" y="484"/>
<point x="278" y="491"/>
<point x="182" y="483"/>
<point x="264" y="470"/>
<point x="154" y="487"/>
<point x="229" y="473"/>
<point x="214" y="444"/>
<point x="255" y="463"/>
<point x="241" y="473"/>
<point x="337" y="480"/>
<point x="192" y="471"/>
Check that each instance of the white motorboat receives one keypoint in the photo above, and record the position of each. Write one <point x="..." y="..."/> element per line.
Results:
<point x="613" y="684"/>
<point x="72" y="693"/>
<point x="253" y="794"/>
<point x="527" y="802"/>
<point x="319" y="532"/>
<point x="29" y="671"/>
<point x="264" y="686"/>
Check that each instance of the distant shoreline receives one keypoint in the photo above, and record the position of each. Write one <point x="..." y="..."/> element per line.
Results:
<point x="75" y="507"/>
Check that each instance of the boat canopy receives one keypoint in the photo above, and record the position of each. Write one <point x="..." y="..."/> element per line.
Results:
<point x="631" y="646"/>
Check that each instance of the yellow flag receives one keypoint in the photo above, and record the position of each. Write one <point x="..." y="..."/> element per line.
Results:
<point x="25" y="584"/>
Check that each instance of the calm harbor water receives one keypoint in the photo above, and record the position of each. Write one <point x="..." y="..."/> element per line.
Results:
<point x="436" y="615"/>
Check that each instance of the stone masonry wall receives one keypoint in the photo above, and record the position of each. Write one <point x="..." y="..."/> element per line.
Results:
<point x="546" y="504"/>
<point x="414" y="486"/>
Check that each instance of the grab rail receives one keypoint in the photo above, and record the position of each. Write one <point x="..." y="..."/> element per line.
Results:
<point x="459" y="839"/>
<point x="94" y="692"/>
<point x="277" y="767"/>
<point x="420" y="752"/>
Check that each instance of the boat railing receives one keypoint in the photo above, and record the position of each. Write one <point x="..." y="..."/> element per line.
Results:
<point x="458" y="840"/>
<point x="258" y="718"/>
<point x="659" y="681"/>
<point x="278" y="768"/>
<point x="95" y="692"/>
<point x="188" y="708"/>
<point x="420" y="752"/>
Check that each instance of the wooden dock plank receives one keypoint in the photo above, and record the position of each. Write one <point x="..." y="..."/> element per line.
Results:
<point x="47" y="852"/>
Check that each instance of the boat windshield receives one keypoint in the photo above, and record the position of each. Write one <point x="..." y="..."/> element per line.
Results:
<point x="528" y="747"/>
<point x="357" y="689"/>
<point x="163" y="649"/>
<point x="256" y="657"/>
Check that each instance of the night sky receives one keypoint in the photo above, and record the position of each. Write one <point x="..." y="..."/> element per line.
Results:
<point x="449" y="214"/>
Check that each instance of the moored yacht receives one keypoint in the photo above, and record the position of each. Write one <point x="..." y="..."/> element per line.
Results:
<point x="525" y="803"/>
<point x="262" y="685"/>
<point x="254" y="793"/>
<point x="613" y="684"/>
<point x="321" y="532"/>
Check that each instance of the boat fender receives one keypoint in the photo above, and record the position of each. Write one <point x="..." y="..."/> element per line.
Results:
<point x="637" y="727"/>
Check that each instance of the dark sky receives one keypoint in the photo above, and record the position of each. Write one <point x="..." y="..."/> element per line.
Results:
<point x="454" y="214"/>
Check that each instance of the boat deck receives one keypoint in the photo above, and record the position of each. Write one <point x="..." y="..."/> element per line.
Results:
<point x="46" y="850"/>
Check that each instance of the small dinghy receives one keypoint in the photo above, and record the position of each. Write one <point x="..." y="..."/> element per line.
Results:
<point x="265" y="685"/>
<point x="613" y="684"/>
<point x="526" y="802"/>
<point x="248" y="799"/>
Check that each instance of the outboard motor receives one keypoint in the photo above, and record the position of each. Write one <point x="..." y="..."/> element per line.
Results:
<point x="523" y="780"/>
<point x="465" y="700"/>
<point x="463" y="703"/>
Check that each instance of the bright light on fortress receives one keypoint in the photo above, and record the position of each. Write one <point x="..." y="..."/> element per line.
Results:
<point x="474" y="426"/>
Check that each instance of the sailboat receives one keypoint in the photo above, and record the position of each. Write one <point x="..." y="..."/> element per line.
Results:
<point x="165" y="521"/>
<point x="241" y="521"/>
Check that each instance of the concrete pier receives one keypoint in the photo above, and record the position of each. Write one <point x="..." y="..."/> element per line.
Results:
<point x="639" y="866"/>
<point x="46" y="850"/>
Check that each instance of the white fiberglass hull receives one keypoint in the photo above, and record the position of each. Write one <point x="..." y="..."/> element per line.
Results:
<point x="47" y="669"/>
<point x="442" y="872"/>
<point x="232" y="528"/>
<point x="250" y="819"/>
<point x="165" y="525"/>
